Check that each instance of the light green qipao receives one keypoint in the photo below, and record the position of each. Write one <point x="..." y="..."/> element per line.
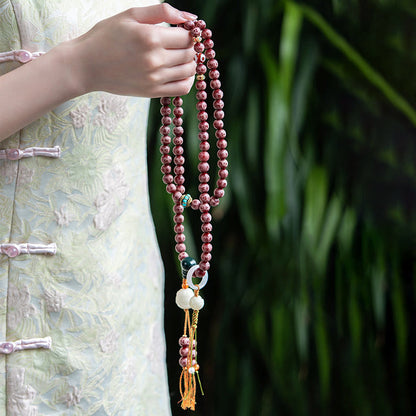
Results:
<point x="100" y="297"/>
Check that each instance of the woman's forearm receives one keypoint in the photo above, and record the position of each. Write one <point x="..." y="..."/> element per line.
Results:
<point x="35" y="88"/>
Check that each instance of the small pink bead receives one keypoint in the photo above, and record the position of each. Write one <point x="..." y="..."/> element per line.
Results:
<point x="178" y="131"/>
<point x="165" y="101"/>
<point x="164" y="130"/>
<point x="177" y="101"/>
<point x="221" y="134"/>
<point x="206" y="256"/>
<point x="165" y="111"/>
<point x="167" y="179"/>
<point x="204" y="265"/>
<point x="201" y="95"/>
<point x="222" y="164"/>
<point x="203" y="167"/>
<point x="166" y="159"/>
<point x="214" y="202"/>
<point x="201" y="24"/>
<point x="195" y="32"/>
<point x="222" y="154"/>
<point x="201" y="69"/>
<point x="164" y="150"/>
<point x="180" y="248"/>
<point x="208" y="43"/>
<point x="195" y="204"/>
<point x="179" y="228"/>
<point x="189" y="25"/>
<point x="223" y="173"/>
<point x="199" y="47"/>
<point x="222" y="183"/>
<point x="219" y="193"/>
<point x="217" y="94"/>
<point x="204" y="146"/>
<point x="179" y="179"/>
<point x="166" y="169"/>
<point x="206" y="34"/>
<point x="204" y="207"/>
<point x="180" y="238"/>
<point x="206" y="228"/>
<point x="210" y="53"/>
<point x="212" y="64"/>
<point x="178" y="209"/>
<point x="207" y="247"/>
<point x="179" y="170"/>
<point x="206" y="237"/>
<point x="184" y="351"/>
<point x="178" y="218"/>
<point x="183" y="361"/>
<point x="167" y="121"/>
<point x="184" y="341"/>
<point x="218" y="124"/>
<point x="203" y="156"/>
<point x="180" y="160"/>
<point x="203" y="177"/>
<point x="199" y="272"/>
<point x="181" y="189"/>
<point x="201" y="106"/>
<point x="171" y="188"/>
<point x="177" y="121"/>
<point x="177" y="150"/>
<point x="203" y="188"/>
<point x="178" y="141"/>
<point x="176" y="196"/>
<point x="214" y="74"/>
<point x="218" y="104"/>
<point x="183" y="255"/>
<point x="219" y="114"/>
<point x="203" y="126"/>
<point x="203" y="135"/>
<point x="204" y="198"/>
<point x="202" y="116"/>
<point x="215" y="84"/>
<point x="206" y="217"/>
<point x="165" y="140"/>
<point x="178" y="111"/>
<point x="200" y="85"/>
<point x="222" y="144"/>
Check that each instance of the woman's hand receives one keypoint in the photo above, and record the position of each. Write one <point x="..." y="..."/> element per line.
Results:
<point x="128" y="54"/>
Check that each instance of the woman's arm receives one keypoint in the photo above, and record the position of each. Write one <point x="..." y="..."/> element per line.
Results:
<point x="126" y="54"/>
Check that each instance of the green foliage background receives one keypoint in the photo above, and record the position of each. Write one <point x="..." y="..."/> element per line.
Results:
<point x="311" y="301"/>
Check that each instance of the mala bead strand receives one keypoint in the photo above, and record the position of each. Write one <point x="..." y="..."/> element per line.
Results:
<point x="207" y="74"/>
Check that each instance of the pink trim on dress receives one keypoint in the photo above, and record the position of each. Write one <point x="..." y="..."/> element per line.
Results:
<point x="25" y="344"/>
<point x="23" y="56"/>
<point x="16" y="154"/>
<point x="13" y="250"/>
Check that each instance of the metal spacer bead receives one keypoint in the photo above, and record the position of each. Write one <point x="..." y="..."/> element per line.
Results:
<point x="185" y="200"/>
<point x="197" y="39"/>
<point x="200" y="77"/>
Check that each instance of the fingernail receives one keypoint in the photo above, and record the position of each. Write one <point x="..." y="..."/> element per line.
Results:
<point x="188" y="16"/>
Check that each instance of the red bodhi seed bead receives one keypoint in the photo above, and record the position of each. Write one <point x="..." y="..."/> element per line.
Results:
<point x="217" y="94"/>
<point x="180" y="238"/>
<point x="179" y="228"/>
<point x="200" y="95"/>
<point x="203" y="177"/>
<point x="167" y="121"/>
<point x="214" y="74"/>
<point x="203" y="126"/>
<point x="165" y="101"/>
<point x="208" y="43"/>
<point x="222" y="183"/>
<point x="222" y="154"/>
<point x="222" y="144"/>
<point x="166" y="159"/>
<point x="165" y="140"/>
<point x="165" y="111"/>
<point x="178" y="111"/>
<point x="212" y="64"/>
<point x="206" y="237"/>
<point x="181" y="189"/>
<point x="164" y="130"/>
<point x="179" y="180"/>
<point x="203" y="156"/>
<point x="214" y="202"/>
<point x="166" y="169"/>
<point x="207" y="247"/>
<point x="180" y="247"/>
<point x="206" y="256"/>
<point x="178" y="218"/>
<point x="203" y="167"/>
<point x="201" y="24"/>
<point x="206" y="228"/>
<point x="167" y="179"/>
<point x="183" y="255"/>
<point x="219" y="193"/>
<point x="178" y="209"/>
<point x="221" y="134"/>
<point x="222" y="164"/>
<point x="219" y="114"/>
<point x="178" y="141"/>
<point x="177" y="121"/>
<point x="200" y="106"/>
<point x="203" y="135"/>
<point x="177" y="102"/>
<point x="215" y="84"/>
<point x="179" y="170"/>
<point x="223" y="173"/>
<point x="201" y="69"/>
<point x="171" y="188"/>
<point x="202" y="116"/>
<point x="189" y="25"/>
<point x="195" y="204"/>
<point x="178" y="131"/>
<point x="206" y="217"/>
<point x="203" y="187"/>
<point x="218" y="124"/>
<point x="204" y="146"/>
<point x="204" y="265"/>
<point x="206" y="34"/>
<point x="204" y="198"/>
<point x="199" y="47"/>
<point x="210" y="53"/>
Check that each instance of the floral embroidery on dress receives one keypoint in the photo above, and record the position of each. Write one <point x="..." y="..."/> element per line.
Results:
<point x="25" y="175"/>
<point x="54" y="300"/>
<point x="110" y="203"/>
<point x="110" y="111"/>
<point x="62" y="216"/>
<point x="73" y="397"/>
<point x="8" y="170"/>
<point x="109" y="343"/>
<point x="19" y="305"/>
<point x="129" y="370"/>
<point x="19" y="395"/>
<point x="80" y="116"/>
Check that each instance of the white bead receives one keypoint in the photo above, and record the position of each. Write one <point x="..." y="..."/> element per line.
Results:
<point x="196" y="303"/>
<point x="191" y="370"/>
<point x="183" y="296"/>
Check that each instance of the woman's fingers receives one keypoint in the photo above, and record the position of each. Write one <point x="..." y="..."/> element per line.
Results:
<point x="173" y="89"/>
<point x="177" y="73"/>
<point x="174" y="57"/>
<point x="160" y="13"/>
<point x="175" y="37"/>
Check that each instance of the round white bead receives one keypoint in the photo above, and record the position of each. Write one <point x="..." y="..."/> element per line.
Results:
<point x="191" y="370"/>
<point x="196" y="303"/>
<point x="183" y="296"/>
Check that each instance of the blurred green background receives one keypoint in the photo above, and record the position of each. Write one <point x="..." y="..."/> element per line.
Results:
<point x="310" y="305"/>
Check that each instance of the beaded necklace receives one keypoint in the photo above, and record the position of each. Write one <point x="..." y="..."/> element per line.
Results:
<point x="188" y="296"/>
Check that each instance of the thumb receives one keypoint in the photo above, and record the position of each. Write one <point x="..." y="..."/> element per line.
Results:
<point x="160" y="13"/>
